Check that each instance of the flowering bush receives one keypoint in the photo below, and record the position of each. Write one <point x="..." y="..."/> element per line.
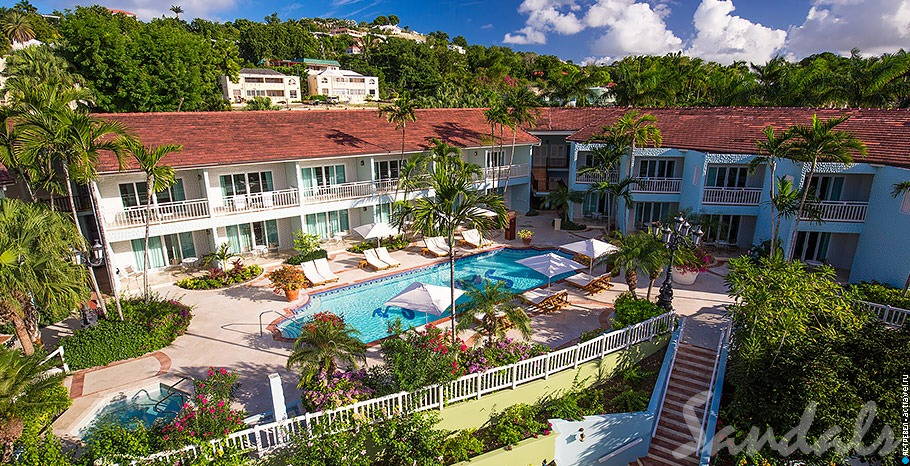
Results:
<point x="218" y="278"/>
<point x="218" y="386"/>
<point x="323" y="318"/>
<point x="336" y="390"/>
<point x="204" y="419"/>
<point x="525" y="234"/>
<point x="424" y="357"/>
<point x="694" y="260"/>
<point x="500" y="352"/>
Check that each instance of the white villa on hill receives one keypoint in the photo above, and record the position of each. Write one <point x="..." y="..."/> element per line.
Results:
<point x="261" y="82"/>
<point x="348" y="86"/>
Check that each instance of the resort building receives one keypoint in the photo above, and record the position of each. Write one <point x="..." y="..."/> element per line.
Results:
<point x="313" y="65"/>
<point x="703" y="168"/>
<point x="348" y="86"/>
<point x="261" y="82"/>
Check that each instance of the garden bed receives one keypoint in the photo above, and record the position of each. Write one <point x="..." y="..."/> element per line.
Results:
<point x="216" y="279"/>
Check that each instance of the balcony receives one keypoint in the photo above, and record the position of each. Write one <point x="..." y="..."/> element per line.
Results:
<point x="842" y="211"/>
<point x="588" y="178"/>
<point x="657" y="185"/>
<point x="732" y="196"/>
<point x="254" y="202"/>
<point x="164" y="212"/>
<point x="506" y="171"/>
<point x="344" y="191"/>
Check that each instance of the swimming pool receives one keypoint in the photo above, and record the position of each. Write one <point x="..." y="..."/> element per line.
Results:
<point x="361" y="305"/>
<point x="147" y="406"/>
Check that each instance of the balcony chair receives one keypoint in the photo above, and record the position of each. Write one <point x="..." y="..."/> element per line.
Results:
<point x="383" y="255"/>
<point x="322" y="267"/>
<point x="239" y="202"/>
<point x="268" y="199"/>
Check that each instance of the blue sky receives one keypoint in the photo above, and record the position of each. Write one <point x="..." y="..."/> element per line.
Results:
<point x="579" y="30"/>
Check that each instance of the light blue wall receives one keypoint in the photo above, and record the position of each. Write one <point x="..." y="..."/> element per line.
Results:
<point x="883" y="250"/>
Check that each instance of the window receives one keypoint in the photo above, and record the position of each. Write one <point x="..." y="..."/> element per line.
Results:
<point x="293" y="94"/>
<point x="812" y="246"/>
<point x="386" y="169"/>
<point x="326" y="224"/>
<point x="496" y="158"/>
<point x="252" y="80"/>
<point x="727" y="177"/>
<point x="322" y="176"/>
<point x="274" y="93"/>
<point x="136" y="194"/>
<point x="372" y="91"/>
<point x="827" y="187"/>
<point x="382" y="213"/>
<point x="245" y="236"/>
<point x="649" y="212"/>
<point x="237" y="92"/>
<point x="656" y="168"/>
<point x="164" y="250"/>
<point x="595" y="202"/>
<point x="274" y="80"/>
<point x="722" y="228"/>
<point x="246" y="183"/>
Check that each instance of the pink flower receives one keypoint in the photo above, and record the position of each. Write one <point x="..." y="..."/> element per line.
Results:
<point x="223" y="371"/>
<point x="221" y="404"/>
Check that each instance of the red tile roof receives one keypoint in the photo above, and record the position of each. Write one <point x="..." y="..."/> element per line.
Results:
<point x="886" y="133"/>
<point x="224" y="138"/>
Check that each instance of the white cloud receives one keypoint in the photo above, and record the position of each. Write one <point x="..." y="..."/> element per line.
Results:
<point x="723" y="37"/>
<point x="148" y="9"/>
<point x="600" y="61"/>
<point x="545" y="16"/>
<point x="874" y="26"/>
<point x="632" y="28"/>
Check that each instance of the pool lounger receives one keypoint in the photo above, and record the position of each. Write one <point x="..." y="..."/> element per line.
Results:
<point x="374" y="261"/>
<point x="546" y="300"/>
<point x="309" y="270"/>
<point x="473" y="238"/>
<point x="383" y="255"/>
<point x="322" y="267"/>
<point x="436" y="246"/>
<point x="590" y="283"/>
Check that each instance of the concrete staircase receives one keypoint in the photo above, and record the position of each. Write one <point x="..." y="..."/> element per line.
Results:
<point x="689" y="383"/>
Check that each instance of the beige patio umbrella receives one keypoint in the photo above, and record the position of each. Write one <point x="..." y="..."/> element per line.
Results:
<point x="593" y="248"/>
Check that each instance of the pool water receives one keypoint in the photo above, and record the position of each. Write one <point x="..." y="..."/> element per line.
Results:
<point x="144" y="406"/>
<point x="361" y="305"/>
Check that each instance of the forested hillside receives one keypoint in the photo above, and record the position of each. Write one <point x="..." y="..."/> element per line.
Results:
<point x="171" y="64"/>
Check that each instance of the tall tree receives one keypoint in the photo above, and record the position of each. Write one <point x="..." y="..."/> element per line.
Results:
<point x="606" y="158"/>
<point x="640" y="251"/>
<point x="494" y="301"/>
<point x="37" y="272"/>
<point x="771" y="149"/>
<point x="819" y="141"/>
<point x="899" y="189"/>
<point x="177" y="10"/>
<point x="17" y="27"/>
<point x="521" y="106"/>
<point x="457" y="203"/>
<point x="400" y="113"/>
<point x="158" y="177"/>
<point x="561" y="198"/>
<point x="632" y="130"/>
<point x="497" y="117"/>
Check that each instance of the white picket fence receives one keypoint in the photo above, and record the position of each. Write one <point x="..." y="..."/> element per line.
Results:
<point x="267" y="437"/>
<point x="888" y="314"/>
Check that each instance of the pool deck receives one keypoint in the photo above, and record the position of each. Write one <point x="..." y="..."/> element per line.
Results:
<point x="225" y="330"/>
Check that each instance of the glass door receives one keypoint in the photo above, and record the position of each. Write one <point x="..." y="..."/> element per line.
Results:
<point x="812" y="246"/>
<point x="157" y="257"/>
<point x="727" y="177"/>
<point x="826" y="187"/>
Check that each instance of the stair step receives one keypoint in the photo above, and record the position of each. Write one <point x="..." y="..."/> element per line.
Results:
<point x="667" y="453"/>
<point x="673" y="405"/>
<point x="679" y="381"/>
<point x="695" y="358"/>
<point x="696" y="374"/>
<point x="681" y="398"/>
<point x="687" y="348"/>
<point x="658" y="461"/>
<point x="675" y="425"/>
<point x="680" y="418"/>
<point x="672" y="435"/>
<point x="690" y="365"/>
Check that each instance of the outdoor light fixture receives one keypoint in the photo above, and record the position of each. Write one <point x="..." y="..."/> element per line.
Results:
<point x="681" y="231"/>
<point x="92" y="258"/>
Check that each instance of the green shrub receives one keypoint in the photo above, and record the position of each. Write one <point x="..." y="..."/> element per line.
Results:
<point x="562" y="406"/>
<point x="220" y="279"/>
<point x="631" y="401"/>
<point x="41" y="450"/>
<point x="306" y="243"/>
<point x="879" y="293"/>
<point x="631" y="310"/>
<point x="113" y="442"/>
<point x="312" y="255"/>
<point x="572" y="226"/>
<point x="590" y="334"/>
<point x="461" y="446"/>
<point x="392" y="244"/>
<point x="513" y="424"/>
<point x="147" y="326"/>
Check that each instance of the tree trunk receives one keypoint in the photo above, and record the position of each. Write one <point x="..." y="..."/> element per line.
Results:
<point x="511" y="161"/>
<point x="91" y="271"/>
<point x="632" y="281"/>
<point x="108" y="266"/>
<point x="799" y="213"/>
<point x="149" y="183"/>
<point x="452" y="280"/>
<point x="25" y="338"/>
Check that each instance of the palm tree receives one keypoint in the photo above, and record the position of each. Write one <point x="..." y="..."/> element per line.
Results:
<point x="771" y="149"/>
<point x="498" y="117"/>
<point x="899" y="189"/>
<point x="631" y="130"/>
<point x="457" y="203"/>
<point x="17" y="27"/>
<point x="220" y="256"/>
<point x="37" y="270"/>
<point x="411" y="177"/>
<point x="177" y="9"/>
<point x="26" y="387"/>
<point x="521" y="106"/>
<point x="494" y="301"/>
<point x="400" y="114"/>
<point x="157" y="178"/>
<point x="606" y="159"/>
<point x="637" y="251"/>
<point x="820" y="142"/>
<point x="324" y="342"/>
<point x="560" y="198"/>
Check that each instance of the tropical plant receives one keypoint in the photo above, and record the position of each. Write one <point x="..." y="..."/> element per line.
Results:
<point x="560" y="199"/>
<point x="177" y="10"/>
<point x="772" y="149"/>
<point x="25" y="388"/>
<point x="287" y="278"/>
<point x="639" y="251"/>
<point x="525" y="234"/>
<point x="411" y="177"/>
<point x="457" y="203"/>
<point x="219" y="257"/>
<point x="785" y="205"/>
<point x="497" y="117"/>
<point x="606" y="158"/>
<point x="306" y="243"/>
<point x="899" y="189"/>
<point x="17" y="27"/>
<point x="499" y="314"/>
<point x="816" y="142"/>
<point x="521" y="106"/>
<point x="260" y="103"/>
<point x="630" y="310"/>
<point x="158" y="177"/>
<point x="400" y="113"/>
<point x="325" y="341"/>
<point x="37" y="272"/>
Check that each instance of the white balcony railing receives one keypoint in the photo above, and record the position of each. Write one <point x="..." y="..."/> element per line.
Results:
<point x="732" y="196"/>
<point x="259" y="201"/>
<point x="842" y="211"/>
<point x="589" y="177"/>
<point x="506" y="171"/>
<point x="342" y="191"/>
<point x="164" y="212"/>
<point x="657" y="185"/>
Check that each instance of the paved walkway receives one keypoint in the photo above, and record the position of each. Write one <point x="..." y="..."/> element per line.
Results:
<point x="225" y="330"/>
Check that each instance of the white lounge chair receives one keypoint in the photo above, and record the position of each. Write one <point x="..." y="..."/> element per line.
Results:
<point x="322" y="266"/>
<point x="374" y="261"/>
<point x="383" y="255"/>
<point x="546" y="299"/>
<point x="436" y="245"/>
<point x="309" y="270"/>
<point x="590" y="283"/>
<point x="475" y="239"/>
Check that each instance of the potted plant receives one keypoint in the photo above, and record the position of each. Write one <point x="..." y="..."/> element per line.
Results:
<point x="288" y="280"/>
<point x="689" y="262"/>
<point x="526" y="235"/>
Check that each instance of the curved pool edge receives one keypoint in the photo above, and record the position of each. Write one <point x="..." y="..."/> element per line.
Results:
<point x="290" y="312"/>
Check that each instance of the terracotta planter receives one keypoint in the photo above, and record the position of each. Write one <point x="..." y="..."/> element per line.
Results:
<point x="684" y="277"/>
<point x="526" y="240"/>
<point x="292" y="295"/>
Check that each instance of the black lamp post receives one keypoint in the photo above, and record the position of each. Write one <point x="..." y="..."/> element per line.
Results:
<point x="93" y="258"/>
<point x="672" y="237"/>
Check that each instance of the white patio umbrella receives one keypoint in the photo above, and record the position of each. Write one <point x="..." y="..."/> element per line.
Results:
<point x="593" y="248"/>
<point x="426" y="298"/>
<point x="550" y="265"/>
<point x="376" y="230"/>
